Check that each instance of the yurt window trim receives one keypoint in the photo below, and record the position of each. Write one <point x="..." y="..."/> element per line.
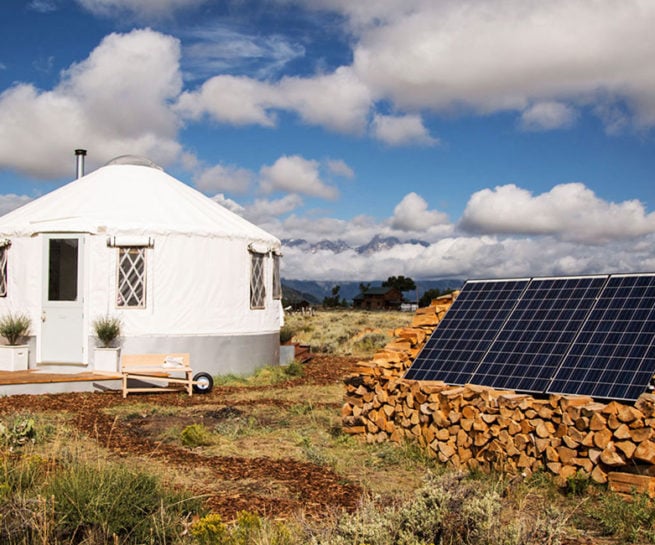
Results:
<point x="131" y="277"/>
<point x="277" y="280"/>
<point x="4" y="247"/>
<point x="131" y="273"/>
<point x="257" y="277"/>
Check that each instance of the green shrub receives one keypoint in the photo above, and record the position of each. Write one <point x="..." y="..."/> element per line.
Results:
<point x="286" y="334"/>
<point x="248" y="529"/>
<point x="294" y="369"/>
<point x="19" y="431"/>
<point x="628" y="520"/>
<point x="578" y="484"/>
<point x="369" y="343"/>
<point x="14" y="327"/>
<point x="95" y="503"/>
<point x="211" y="530"/>
<point x="448" y="509"/>
<point x="107" y="329"/>
<point x="196" y="435"/>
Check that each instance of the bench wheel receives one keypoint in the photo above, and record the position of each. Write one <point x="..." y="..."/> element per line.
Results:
<point x="203" y="383"/>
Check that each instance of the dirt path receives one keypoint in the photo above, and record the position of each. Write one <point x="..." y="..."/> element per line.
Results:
<point x="275" y="487"/>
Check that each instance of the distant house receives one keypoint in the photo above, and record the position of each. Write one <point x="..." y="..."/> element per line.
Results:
<point x="379" y="299"/>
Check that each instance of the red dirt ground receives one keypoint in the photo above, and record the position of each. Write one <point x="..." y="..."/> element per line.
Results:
<point x="300" y="486"/>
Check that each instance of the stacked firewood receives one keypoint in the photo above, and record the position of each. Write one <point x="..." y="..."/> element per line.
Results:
<point x="481" y="428"/>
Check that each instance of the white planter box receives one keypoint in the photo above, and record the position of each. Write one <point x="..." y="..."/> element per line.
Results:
<point x="287" y="353"/>
<point x="105" y="360"/>
<point x="14" y="358"/>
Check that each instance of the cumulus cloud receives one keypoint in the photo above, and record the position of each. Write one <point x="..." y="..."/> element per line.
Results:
<point x="228" y="203"/>
<point x="224" y="178"/>
<point x="465" y="257"/>
<point x="340" y="168"/>
<point x="545" y="116"/>
<point x="338" y="101"/>
<point x="465" y="54"/>
<point x="114" y="102"/>
<point x="412" y="214"/>
<point x="11" y="201"/>
<point x="138" y="9"/>
<point x="262" y="210"/>
<point x="236" y="100"/>
<point x="401" y="130"/>
<point x="568" y="211"/>
<point x="295" y="174"/>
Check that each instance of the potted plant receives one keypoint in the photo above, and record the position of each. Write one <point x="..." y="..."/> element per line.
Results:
<point x="105" y="356"/>
<point x="287" y="349"/>
<point x="13" y="355"/>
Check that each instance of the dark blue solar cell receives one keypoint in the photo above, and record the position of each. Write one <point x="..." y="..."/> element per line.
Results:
<point x="485" y="304"/>
<point x="551" y="311"/>
<point x="613" y="355"/>
<point x="575" y="335"/>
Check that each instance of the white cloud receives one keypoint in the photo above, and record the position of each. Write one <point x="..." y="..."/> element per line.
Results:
<point x="412" y="214"/>
<point x="236" y="100"/>
<point x="263" y="210"/>
<point x="11" y="201"/>
<point x="569" y="211"/>
<point x="545" y="116"/>
<point x="295" y="174"/>
<point x="507" y="54"/>
<point x="43" y="6"/>
<point x="139" y="9"/>
<point x="231" y="205"/>
<point x="338" y="101"/>
<point x="224" y="178"/>
<point x="216" y="49"/>
<point x="114" y="102"/>
<point x="340" y="168"/>
<point x="401" y="130"/>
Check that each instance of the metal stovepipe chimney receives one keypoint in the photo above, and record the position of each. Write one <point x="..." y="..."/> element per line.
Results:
<point x="80" y="154"/>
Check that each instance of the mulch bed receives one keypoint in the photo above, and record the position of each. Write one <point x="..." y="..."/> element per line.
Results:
<point x="276" y="487"/>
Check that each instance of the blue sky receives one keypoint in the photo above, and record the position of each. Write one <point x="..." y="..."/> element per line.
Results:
<point x="514" y="137"/>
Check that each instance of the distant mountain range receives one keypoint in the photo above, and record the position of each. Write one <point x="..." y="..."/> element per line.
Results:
<point x="377" y="244"/>
<point x="314" y="291"/>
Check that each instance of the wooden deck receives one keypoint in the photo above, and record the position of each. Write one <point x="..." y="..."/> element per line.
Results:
<point x="35" y="376"/>
<point x="39" y="381"/>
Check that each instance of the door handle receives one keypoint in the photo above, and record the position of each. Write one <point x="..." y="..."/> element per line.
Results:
<point x="43" y="316"/>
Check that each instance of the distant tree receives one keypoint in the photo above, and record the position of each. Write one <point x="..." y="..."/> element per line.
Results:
<point x="427" y="297"/>
<point x="401" y="283"/>
<point x="364" y="287"/>
<point x="334" y="300"/>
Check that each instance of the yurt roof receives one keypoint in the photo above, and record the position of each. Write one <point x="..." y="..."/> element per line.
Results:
<point x="129" y="195"/>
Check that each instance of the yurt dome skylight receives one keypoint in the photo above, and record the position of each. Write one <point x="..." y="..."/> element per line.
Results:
<point x="136" y="160"/>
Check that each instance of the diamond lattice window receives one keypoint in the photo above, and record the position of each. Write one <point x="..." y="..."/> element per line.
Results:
<point x="277" y="283"/>
<point x="131" y="278"/>
<point x="3" y="271"/>
<point x="257" y="286"/>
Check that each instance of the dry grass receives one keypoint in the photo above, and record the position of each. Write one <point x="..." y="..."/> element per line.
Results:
<point x="347" y="332"/>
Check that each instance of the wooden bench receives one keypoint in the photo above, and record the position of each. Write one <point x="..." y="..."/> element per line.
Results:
<point x="156" y="367"/>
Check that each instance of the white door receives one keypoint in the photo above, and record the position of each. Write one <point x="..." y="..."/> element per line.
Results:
<point x="62" y="314"/>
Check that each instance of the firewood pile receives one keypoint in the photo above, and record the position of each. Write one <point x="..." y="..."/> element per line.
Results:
<point x="480" y="428"/>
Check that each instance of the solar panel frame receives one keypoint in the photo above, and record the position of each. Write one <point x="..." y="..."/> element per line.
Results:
<point x="537" y="335"/>
<point x="613" y="355"/>
<point x="595" y="336"/>
<point x="453" y="357"/>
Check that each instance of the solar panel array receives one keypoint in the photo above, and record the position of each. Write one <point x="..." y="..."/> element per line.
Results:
<point x="591" y="335"/>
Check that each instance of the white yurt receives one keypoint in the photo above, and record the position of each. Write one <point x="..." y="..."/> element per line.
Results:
<point x="128" y="241"/>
